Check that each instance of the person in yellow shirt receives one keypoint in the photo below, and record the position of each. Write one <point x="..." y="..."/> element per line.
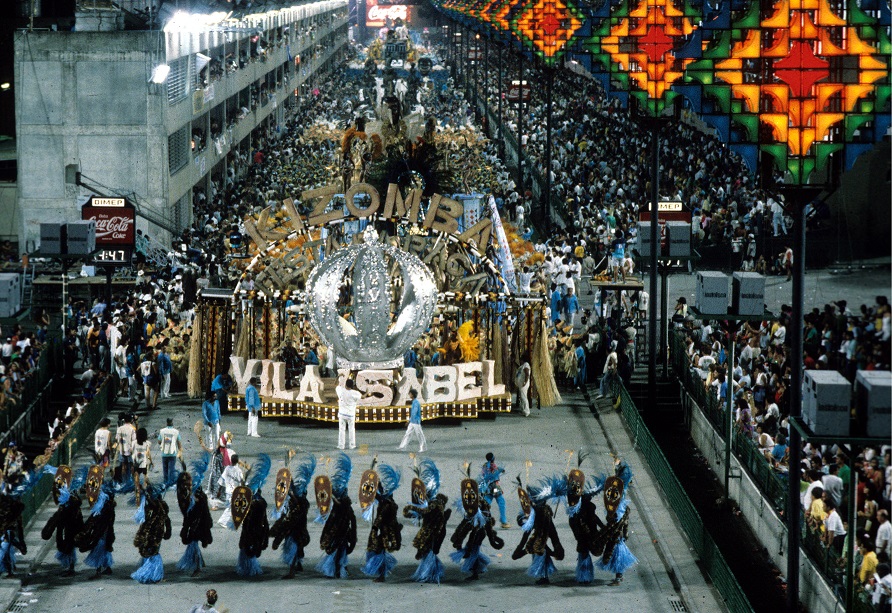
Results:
<point x="868" y="561"/>
<point x="817" y="512"/>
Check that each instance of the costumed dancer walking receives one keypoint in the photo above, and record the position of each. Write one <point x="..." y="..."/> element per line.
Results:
<point x="538" y="529"/>
<point x="429" y="506"/>
<point x="197" y="521"/>
<point x="584" y="522"/>
<point x="98" y="533"/>
<point x="67" y="521"/>
<point x="376" y="499"/>
<point x="491" y="487"/>
<point x="249" y="512"/>
<point x="476" y="525"/>
<point x="153" y="517"/>
<point x="12" y="534"/>
<point x="290" y="514"/>
<point x="336" y="511"/>
<point x="616" y="557"/>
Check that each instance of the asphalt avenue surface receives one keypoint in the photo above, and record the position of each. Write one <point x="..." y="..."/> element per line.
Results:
<point x="540" y="439"/>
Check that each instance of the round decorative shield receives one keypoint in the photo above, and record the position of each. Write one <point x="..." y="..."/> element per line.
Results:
<point x="470" y="496"/>
<point x="322" y="485"/>
<point x="283" y="484"/>
<point x="526" y="505"/>
<point x="64" y="474"/>
<point x="419" y="491"/>
<point x="240" y="504"/>
<point x="613" y="493"/>
<point x="575" y="486"/>
<point x="93" y="485"/>
<point x="368" y="487"/>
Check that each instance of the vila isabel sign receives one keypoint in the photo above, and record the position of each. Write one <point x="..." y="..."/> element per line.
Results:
<point x="115" y="220"/>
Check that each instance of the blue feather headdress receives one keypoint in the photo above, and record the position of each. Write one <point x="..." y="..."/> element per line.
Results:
<point x="302" y="474"/>
<point x="199" y="468"/>
<point x="550" y="488"/>
<point x="259" y="472"/>
<point x="430" y="475"/>
<point x="595" y="484"/>
<point x="340" y="476"/>
<point x="389" y="478"/>
<point x="31" y="479"/>
<point x="77" y="482"/>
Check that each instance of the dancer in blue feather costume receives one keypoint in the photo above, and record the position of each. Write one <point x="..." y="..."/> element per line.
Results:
<point x="428" y="506"/>
<point x="338" y="538"/>
<point x="386" y="533"/>
<point x="154" y="528"/>
<point x="617" y="558"/>
<point x="477" y="525"/>
<point x="67" y="521"/>
<point x="290" y="528"/>
<point x="98" y="534"/>
<point x="197" y="522"/>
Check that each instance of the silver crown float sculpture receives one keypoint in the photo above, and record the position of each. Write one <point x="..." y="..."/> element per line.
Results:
<point x="376" y="333"/>
<point x="381" y="330"/>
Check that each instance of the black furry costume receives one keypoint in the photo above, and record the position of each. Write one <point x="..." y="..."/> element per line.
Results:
<point x="197" y="523"/>
<point x="66" y="522"/>
<point x="293" y="524"/>
<point x="535" y="542"/>
<point x="154" y="529"/>
<point x="475" y="528"/>
<point x="586" y="526"/>
<point x="434" y="518"/>
<point x="254" y="538"/>
<point x="12" y="535"/>
<point x="384" y="538"/>
<point x="338" y="538"/>
<point x="98" y="535"/>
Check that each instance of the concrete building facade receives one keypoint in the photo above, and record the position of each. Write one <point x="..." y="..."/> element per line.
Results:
<point x="91" y="120"/>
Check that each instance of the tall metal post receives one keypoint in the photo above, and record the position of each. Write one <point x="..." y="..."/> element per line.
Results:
<point x="664" y="320"/>
<point x="520" y="130"/>
<point x="799" y="196"/>
<point x="654" y="261"/>
<point x="501" y="141"/>
<point x="545" y="207"/>
<point x="729" y="396"/>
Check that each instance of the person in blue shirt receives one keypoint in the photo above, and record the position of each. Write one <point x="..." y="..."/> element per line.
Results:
<point x="410" y="358"/>
<point x="252" y="403"/>
<point x="556" y="301"/>
<point x="415" y="424"/>
<point x="220" y="386"/>
<point x="210" y="410"/>
<point x="579" y="380"/>
<point x="311" y="358"/>
<point x="165" y="367"/>
<point x="490" y="486"/>
<point x="571" y="306"/>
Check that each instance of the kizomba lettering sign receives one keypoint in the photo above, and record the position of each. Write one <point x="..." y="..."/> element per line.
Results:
<point x="430" y="228"/>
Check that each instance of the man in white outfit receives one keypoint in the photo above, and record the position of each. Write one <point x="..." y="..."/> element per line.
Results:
<point x="348" y="398"/>
<point x="231" y="478"/>
<point x="522" y="380"/>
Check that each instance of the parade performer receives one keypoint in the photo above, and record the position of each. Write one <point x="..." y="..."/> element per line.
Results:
<point x="220" y="460"/>
<point x="429" y="506"/>
<point x="386" y="533"/>
<point x="232" y="477"/>
<point x="254" y="538"/>
<point x="476" y="525"/>
<point x="584" y="522"/>
<point x="538" y="529"/>
<point x="98" y="533"/>
<point x="336" y="511"/>
<point x="67" y="521"/>
<point x="290" y="528"/>
<point x="154" y="526"/>
<point x="12" y="534"/>
<point x="491" y="486"/>
<point x="616" y="557"/>
<point x="197" y="521"/>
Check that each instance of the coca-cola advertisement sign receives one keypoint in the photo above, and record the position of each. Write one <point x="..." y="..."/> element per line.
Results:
<point x="379" y="15"/>
<point x="115" y="220"/>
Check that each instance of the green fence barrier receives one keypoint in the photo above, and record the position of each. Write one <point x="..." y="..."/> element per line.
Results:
<point x="80" y="433"/>
<point x="712" y="560"/>
<point x="771" y="483"/>
<point x="35" y="384"/>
